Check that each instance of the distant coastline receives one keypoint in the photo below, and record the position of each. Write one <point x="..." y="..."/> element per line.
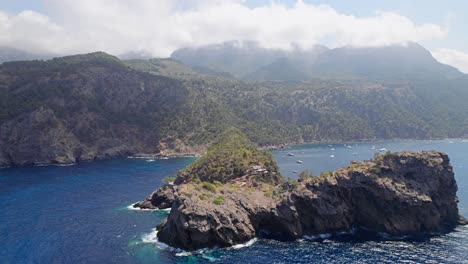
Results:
<point x="282" y="146"/>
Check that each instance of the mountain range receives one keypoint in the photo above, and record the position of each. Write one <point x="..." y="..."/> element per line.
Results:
<point x="94" y="106"/>
<point x="248" y="61"/>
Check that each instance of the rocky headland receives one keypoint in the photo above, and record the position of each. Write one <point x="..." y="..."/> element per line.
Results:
<point x="234" y="192"/>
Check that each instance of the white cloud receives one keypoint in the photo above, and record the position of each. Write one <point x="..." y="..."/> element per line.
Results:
<point x="452" y="57"/>
<point x="118" y="26"/>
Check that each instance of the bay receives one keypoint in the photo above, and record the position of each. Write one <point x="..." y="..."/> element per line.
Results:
<point x="80" y="214"/>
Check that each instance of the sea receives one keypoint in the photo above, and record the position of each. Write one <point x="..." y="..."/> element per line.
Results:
<point x="82" y="214"/>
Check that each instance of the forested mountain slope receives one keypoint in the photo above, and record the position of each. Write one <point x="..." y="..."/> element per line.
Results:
<point x="95" y="106"/>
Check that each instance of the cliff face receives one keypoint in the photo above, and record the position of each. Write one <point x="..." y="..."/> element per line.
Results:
<point x="83" y="108"/>
<point x="401" y="194"/>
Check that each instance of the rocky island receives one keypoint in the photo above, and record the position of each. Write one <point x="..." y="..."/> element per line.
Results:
<point x="233" y="192"/>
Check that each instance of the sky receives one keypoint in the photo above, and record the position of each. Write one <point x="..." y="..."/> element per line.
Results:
<point x="158" y="27"/>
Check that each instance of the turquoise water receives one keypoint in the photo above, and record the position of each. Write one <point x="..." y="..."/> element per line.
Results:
<point x="79" y="214"/>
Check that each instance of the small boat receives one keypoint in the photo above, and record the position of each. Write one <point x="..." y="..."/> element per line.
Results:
<point x="332" y="149"/>
<point x="150" y="160"/>
<point x="332" y="156"/>
<point x="383" y="149"/>
<point x="349" y="147"/>
<point x="373" y="147"/>
<point x="291" y="154"/>
<point x="330" y="146"/>
<point x="299" y="161"/>
<point x="295" y="171"/>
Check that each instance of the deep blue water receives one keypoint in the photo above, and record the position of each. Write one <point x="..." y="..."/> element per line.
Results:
<point x="79" y="214"/>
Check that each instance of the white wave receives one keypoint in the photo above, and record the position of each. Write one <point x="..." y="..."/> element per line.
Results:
<point x="152" y="238"/>
<point x="130" y="207"/>
<point x="352" y="231"/>
<point x="321" y="236"/>
<point x="246" y="244"/>
<point x="183" y="254"/>
<point x="54" y="164"/>
<point x="142" y="157"/>
<point x="65" y="165"/>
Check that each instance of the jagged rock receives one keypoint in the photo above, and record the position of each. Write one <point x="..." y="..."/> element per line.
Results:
<point x="404" y="193"/>
<point x="462" y="220"/>
<point x="159" y="199"/>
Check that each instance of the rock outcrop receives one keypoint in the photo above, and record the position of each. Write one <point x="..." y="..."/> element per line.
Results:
<point x="405" y="193"/>
<point x="401" y="194"/>
<point x="159" y="199"/>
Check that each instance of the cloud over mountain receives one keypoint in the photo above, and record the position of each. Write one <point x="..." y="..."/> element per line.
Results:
<point x="159" y="27"/>
<point x="452" y="57"/>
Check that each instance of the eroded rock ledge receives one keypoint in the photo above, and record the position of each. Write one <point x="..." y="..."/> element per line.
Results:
<point x="401" y="194"/>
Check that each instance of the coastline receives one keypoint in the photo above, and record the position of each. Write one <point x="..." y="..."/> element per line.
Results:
<point x="331" y="142"/>
<point x="173" y="154"/>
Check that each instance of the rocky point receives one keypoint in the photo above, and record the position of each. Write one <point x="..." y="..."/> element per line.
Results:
<point x="234" y="192"/>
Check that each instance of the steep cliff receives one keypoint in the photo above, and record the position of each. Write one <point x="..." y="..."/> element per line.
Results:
<point x="86" y="107"/>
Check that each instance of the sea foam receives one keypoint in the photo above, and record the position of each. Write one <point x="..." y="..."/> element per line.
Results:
<point x="130" y="207"/>
<point x="246" y="244"/>
<point x="152" y="238"/>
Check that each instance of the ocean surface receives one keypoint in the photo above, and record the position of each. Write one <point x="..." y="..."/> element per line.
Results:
<point x="80" y="214"/>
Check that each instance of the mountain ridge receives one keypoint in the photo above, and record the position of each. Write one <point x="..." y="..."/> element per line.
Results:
<point x="96" y="106"/>
<point x="402" y="61"/>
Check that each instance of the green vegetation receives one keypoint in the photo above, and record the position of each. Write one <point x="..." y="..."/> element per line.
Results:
<point x="198" y="181"/>
<point x="219" y="200"/>
<point x="209" y="186"/>
<point x="168" y="179"/>
<point x="229" y="157"/>
<point x="217" y="183"/>
<point x="268" y="191"/>
<point x="375" y="169"/>
<point x="97" y="96"/>
<point x="203" y="196"/>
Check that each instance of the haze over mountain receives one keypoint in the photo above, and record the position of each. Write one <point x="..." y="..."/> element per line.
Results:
<point x="247" y="60"/>
<point x="12" y="54"/>
<point x="395" y="62"/>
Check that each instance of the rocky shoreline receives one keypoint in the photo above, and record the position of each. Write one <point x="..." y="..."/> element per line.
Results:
<point x="405" y="193"/>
